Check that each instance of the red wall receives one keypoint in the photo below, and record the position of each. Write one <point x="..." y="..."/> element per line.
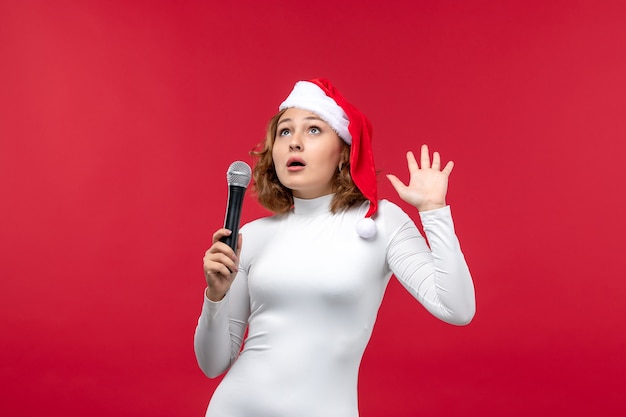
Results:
<point x="118" y="120"/>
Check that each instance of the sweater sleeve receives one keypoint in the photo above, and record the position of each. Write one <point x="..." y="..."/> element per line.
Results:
<point x="438" y="277"/>
<point x="221" y="327"/>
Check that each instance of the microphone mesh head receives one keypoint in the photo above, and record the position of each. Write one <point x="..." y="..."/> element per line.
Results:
<point x="239" y="174"/>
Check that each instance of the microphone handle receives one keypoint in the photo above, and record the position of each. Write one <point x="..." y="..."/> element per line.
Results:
<point x="233" y="215"/>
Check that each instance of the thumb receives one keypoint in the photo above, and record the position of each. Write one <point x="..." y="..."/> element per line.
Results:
<point x="397" y="184"/>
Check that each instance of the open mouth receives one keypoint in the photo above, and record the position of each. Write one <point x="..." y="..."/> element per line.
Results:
<point x="295" y="163"/>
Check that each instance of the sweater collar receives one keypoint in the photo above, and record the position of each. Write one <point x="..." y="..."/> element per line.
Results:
<point x="312" y="206"/>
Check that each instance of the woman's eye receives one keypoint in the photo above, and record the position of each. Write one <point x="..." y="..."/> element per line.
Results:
<point x="283" y="132"/>
<point x="314" y="130"/>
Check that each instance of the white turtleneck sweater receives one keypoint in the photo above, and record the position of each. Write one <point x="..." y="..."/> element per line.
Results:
<point x="308" y="291"/>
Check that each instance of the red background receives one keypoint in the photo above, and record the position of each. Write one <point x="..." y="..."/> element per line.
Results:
<point x="118" y="120"/>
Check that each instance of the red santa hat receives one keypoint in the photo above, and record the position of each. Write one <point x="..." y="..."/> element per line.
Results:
<point x="322" y="98"/>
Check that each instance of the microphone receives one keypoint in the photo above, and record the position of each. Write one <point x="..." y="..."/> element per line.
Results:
<point x="238" y="177"/>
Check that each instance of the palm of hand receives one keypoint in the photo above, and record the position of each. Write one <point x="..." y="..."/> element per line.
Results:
<point x="428" y="184"/>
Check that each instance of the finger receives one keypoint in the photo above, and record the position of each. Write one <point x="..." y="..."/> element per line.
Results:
<point x="220" y="233"/>
<point x="448" y="168"/>
<point x="436" y="161"/>
<point x="411" y="161"/>
<point x="214" y="261"/>
<point x="221" y="247"/>
<point x="397" y="184"/>
<point x="425" y="157"/>
<point x="219" y="270"/>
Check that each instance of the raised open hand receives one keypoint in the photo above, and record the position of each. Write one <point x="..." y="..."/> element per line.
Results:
<point x="428" y="183"/>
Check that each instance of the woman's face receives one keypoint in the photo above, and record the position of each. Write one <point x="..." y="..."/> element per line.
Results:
<point x="306" y="153"/>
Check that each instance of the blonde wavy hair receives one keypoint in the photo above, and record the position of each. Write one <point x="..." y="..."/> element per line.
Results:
<point x="277" y="198"/>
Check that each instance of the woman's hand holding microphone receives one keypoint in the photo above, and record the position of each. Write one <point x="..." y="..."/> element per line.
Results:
<point x="220" y="265"/>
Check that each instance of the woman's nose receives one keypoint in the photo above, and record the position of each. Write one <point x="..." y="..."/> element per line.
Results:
<point x="296" y="143"/>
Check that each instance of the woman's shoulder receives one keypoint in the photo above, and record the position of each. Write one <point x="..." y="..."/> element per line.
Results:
<point x="255" y="234"/>
<point x="386" y="209"/>
<point x="386" y="205"/>
<point x="390" y="217"/>
<point x="262" y="223"/>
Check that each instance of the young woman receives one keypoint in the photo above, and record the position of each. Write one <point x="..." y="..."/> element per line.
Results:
<point x="307" y="282"/>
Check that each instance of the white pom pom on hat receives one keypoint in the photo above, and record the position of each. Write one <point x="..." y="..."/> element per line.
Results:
<point x="366" y="228"/>
<point x="322" y="98"/>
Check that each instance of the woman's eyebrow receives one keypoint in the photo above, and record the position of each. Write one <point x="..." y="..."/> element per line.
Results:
<point x="306" y="118"/>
